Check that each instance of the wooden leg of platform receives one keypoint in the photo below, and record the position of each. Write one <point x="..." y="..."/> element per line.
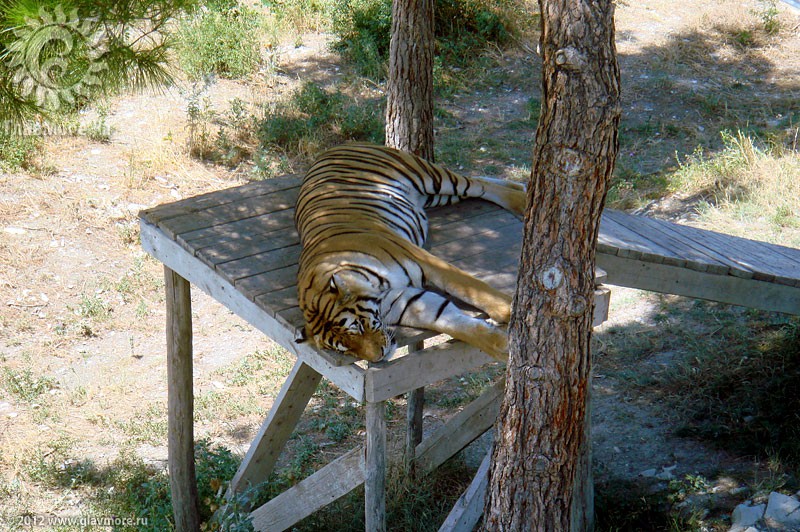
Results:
<point x="375" y="483"/>
<point x="276" y="429"/>
<point x="181" y="403"/>
<point x="416" y="405"/>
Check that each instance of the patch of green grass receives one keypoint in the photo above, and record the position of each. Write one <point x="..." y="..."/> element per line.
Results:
<point x="728" y="374"/>
<point x="149" y="426"/>
<point x="745" y="179"/>
<point x="24" y="384"/>
<point x="419" y="505"/>
<point x="54" y="466"/>
<point x="94" y="307"/>
<point x="220" y="40"/>
<point x="17" y="152"/>
<point x="221" y="404"/>
<point x="131" y="488"/>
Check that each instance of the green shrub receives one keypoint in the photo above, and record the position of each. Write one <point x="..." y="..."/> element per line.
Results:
<point x="316" y="116"/>
<point x="462" y="27"/>
<point x="363" y="122"/>
<point x="222" y="41"/>
<point x="17" y="152"/>
<point x="363" y="28"/>
<point x="135" y="489"/>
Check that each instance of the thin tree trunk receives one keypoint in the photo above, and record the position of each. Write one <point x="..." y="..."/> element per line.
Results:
<point x="540" y="433"/>
<point x="409" y="99"/>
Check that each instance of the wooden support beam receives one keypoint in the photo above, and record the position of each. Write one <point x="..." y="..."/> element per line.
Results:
<point x="180" y="398"/>
<point x="691" y="283"/>
<point x="333" y="481"/>
<point x="375" y="484"/>
<point x="277" y="428"/>
<point x="469" y="507"/>
<point x="462" y="429"/>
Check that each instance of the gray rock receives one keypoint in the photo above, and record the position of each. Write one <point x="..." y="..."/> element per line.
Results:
<point x="745" y="516"/>
<point x="783" y="512"/>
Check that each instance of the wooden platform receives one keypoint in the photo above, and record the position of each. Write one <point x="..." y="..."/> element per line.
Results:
<point x="240" y="246"/>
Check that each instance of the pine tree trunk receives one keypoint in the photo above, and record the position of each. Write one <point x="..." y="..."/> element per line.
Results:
<point x="409" y="100"/>
<point x="537" y="477"/>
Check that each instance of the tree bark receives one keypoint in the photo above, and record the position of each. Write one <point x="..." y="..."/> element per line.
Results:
<point x="409" y="98"/>
<point x="541" y="437"/>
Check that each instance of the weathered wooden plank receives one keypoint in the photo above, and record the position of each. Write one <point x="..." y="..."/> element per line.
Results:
<point x="263" y="283"/>
<point x="180" y="399"/>
<point x="375" y="481"/>
<point x="505" y="240"/>
<point x="335" y="480"/>
<point x="260" y="459"/>
<point x="768" y="261"/>
<point x="415" y="406"/>
<point x="279" y="300"/>
<point x="461" y="429"/>
<point x="618" y="239"/>
<point x="201" y="202"/>
<point x="440" y="216"/>
<point x="230" y="212"/>
<point x="260" y="264"/>
<point x="248" y="228"/>
<point x="656" y="231"/>
<point x="469" y="507"/>
<point x="236" y="249"/>
<point x="602" y="302"/>
<point x="684" y="237"/>
<point x="681" y="281"/>
<point x="489" y="221"/>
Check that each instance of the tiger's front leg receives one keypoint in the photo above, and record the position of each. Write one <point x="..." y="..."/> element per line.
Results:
<point x="423" y="309"/>
<point x="462" y="286"/>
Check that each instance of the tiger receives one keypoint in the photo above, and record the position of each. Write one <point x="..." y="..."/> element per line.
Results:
<point x="361" y="218"/>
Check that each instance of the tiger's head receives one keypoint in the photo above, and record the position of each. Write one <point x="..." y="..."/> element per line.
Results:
<point x="349" y="320"/>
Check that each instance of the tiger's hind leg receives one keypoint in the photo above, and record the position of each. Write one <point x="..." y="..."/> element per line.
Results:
<point x="423" y="309"/>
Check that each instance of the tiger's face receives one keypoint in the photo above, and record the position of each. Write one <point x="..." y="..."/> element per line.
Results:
<point x="353" y="325"/>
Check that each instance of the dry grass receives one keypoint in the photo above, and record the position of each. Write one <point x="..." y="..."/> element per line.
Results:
<point x="749" y="189"/>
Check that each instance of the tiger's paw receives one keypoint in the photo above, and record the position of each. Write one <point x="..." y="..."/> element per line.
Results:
<point x="494" y="342"/>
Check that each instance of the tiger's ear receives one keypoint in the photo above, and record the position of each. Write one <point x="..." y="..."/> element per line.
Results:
<point x="301" y="337"/>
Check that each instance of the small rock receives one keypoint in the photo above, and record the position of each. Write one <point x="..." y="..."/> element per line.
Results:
<point x="647" y="473"/>
<point x="666" y="473"/>
<point x="783" y="511"/>
<point x="745" y="515"/>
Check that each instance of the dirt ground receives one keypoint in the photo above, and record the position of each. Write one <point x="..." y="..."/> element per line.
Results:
<point x="81" y="306"/>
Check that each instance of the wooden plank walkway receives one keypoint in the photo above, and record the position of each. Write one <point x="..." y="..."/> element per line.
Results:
<point x="661" y="256"/>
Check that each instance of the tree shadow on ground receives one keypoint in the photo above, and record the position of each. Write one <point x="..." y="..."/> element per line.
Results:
<point x="682" y="94"/>
<point x="716" y="384"/>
